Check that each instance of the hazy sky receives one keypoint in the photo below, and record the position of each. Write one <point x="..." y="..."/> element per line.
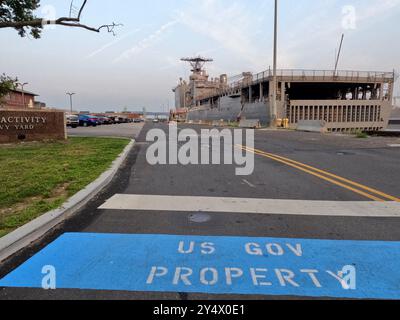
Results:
<point x="140" y="66"/>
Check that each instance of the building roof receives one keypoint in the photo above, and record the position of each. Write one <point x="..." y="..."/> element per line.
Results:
<point x="25" y="92"/>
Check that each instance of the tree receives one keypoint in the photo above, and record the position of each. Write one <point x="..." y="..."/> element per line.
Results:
<point x="6" y="84"/>
<point x="19" y="14"/>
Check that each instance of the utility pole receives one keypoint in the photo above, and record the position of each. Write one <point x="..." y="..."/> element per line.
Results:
<point x="22" y="85"/>
<point x="70" y="99"/>
<point x="275" y="85"/>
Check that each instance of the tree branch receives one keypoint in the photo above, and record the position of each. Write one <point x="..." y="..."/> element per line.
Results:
<point x="63" y="21"/>
<point x="109" y="27"/>
<point x="81" y="9"/>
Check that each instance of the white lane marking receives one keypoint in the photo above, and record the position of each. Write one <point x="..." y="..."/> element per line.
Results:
<point x="394" y="145"/>
<point x="258" y="206"/>
<point x="249" y="183"/>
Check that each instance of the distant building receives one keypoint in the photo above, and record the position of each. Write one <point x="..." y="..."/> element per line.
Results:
<point x="40" y="105"/>
<point x="178" y="115"/>
<point x="125" y="114"/>
<point x="18" y="99"/>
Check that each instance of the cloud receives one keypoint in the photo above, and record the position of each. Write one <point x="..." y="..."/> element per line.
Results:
<point x="231" y="25"/>
<point x="377" y="9"/>
<point x="112" y="43"/>
<point x="146" y="42"/>
<point x="320" y="30"/>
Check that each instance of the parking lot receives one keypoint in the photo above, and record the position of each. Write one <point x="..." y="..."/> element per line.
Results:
<point x="125" y="130"/>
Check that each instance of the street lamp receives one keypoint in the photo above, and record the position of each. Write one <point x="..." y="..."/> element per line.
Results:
<point x="70" y="99"/>
<point x="22" y="85"/>
<point x="275" y="85"/>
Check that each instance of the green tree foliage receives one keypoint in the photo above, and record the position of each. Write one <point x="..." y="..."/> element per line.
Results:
<point x="20" y="15"/>
<point x="20" y="11"/>
<point x="6" y="84"/>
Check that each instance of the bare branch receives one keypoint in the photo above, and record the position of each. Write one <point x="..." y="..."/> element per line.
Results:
<point x="19" y="24"/>
<point x="81" y="9"/>
<point x="109" y="27"/>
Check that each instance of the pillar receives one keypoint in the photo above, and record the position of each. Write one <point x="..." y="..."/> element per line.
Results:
<point x="250" y="94"/>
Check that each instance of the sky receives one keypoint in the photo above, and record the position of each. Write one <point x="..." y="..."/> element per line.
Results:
<point x="138" y="67"/>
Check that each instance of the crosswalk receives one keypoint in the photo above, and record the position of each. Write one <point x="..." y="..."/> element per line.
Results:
<point x="256" y="206"/>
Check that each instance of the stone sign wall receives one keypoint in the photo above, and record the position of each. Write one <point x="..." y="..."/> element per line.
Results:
<point x="31" y="125"/>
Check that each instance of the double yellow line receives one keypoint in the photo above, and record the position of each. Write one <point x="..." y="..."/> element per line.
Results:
<point x="355" y="187"/>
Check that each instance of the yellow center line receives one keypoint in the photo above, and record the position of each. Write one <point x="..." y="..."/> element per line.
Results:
<point x="353" y="183"/>
<point x="360" y="192"/>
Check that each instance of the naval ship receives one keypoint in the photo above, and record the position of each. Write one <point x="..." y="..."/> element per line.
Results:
<point x="344" y="101"/>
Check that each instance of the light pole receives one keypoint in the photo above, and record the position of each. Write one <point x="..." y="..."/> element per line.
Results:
<point x="22" y="85"/>
<point x="275" y="85"/>
<point x="70" y="99"/>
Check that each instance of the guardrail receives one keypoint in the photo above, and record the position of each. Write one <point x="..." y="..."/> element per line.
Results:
<point x="298" y="74"/>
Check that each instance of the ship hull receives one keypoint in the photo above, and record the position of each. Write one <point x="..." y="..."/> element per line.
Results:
<point x="229" y="109"/>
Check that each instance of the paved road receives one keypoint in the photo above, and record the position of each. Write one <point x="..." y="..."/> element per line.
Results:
<point x="125" y="130"/>
<point x="151" y="240"/>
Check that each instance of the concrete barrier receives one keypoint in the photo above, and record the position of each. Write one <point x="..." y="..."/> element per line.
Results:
<point x="250" y="123"/>
<point x="312" y="126"/>
<point x="217" y="123"/>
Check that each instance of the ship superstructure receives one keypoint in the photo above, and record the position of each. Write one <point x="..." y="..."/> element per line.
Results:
<point x="343" y="100"/>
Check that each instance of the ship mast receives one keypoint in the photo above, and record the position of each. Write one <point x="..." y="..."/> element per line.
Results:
<point x="197" y="63"/>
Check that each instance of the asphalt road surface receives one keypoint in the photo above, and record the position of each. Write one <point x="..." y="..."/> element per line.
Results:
<point x="313" y="205"/>
<point x="125" y="130"/>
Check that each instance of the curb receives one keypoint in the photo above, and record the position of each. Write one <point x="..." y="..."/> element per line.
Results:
<point x="32" y="231"/>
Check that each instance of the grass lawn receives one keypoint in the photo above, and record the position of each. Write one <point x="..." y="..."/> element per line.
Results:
<point x="39" y="177"/>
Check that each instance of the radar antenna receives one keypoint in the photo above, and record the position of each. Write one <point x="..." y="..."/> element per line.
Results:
<point x="197" y="63"/>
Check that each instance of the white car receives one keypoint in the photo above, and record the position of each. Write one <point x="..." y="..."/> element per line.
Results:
<point x="72" y="121"/>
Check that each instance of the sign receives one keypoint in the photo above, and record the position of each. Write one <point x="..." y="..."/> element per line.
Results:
<point x="216" y="265"/>
<point x="31" y="125"/>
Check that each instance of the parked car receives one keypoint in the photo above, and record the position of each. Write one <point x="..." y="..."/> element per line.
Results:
<point x="105" y="120"/>
<point x="137" y="120"/>
<point x="88" y="121"/>
<point x="115" y="120"/>
<point x="110" y="120"/>
<point x="100" y="121"/>
<point x="72" y="121"/>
